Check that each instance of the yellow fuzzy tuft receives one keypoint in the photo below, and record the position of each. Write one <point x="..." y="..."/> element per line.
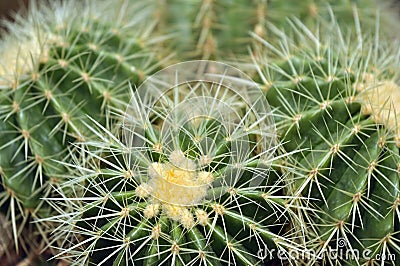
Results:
<point x="178" y="159"/>
<point x="382" y="102"/>
<point x="202" y="217"/>
<point x="205" y="177"/>
<point x="186" y="219"/>
<point x="17" y="60"/>
<point x="178" y="182"/>
<point x="151" y="210"/>
<point x="175" y="186"/>
<point x="179" y="214"/>
<point x="172" y="211"/>
<point x="143" y="190"/>
<point x="20" y="55"/>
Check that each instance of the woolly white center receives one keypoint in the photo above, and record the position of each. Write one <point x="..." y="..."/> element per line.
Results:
<point x="178" y="182"/>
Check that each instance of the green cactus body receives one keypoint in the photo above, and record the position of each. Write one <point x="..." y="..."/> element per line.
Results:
<point x="220" y="29"/>
<point x="64" y="68"/>
<point x="189" y="182"/>
<point x="58" y="67"/>
<point x="336" y="104"/>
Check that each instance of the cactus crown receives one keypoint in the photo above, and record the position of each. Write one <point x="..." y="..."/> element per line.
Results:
<point x="195" y="153"/>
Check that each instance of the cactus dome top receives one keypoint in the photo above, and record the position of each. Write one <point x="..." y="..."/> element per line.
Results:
<point x="190" y="129"/>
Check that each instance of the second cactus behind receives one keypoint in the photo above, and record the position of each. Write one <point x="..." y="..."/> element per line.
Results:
<point x="336" y="99"/>
<point x="219" y="30"/>
<point x="59" y="64"/>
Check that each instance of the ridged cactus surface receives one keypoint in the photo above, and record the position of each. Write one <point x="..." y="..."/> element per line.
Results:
<point x="187" y="183"/>
<point x="59" y="65"/>
<point x="336" y="102"/>
<point x="209" y="29"/>
<point x="198" y="169"/>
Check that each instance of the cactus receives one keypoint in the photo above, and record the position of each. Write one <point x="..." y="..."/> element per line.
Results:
<point x="207" y="29"/>
<point x="337" y="103"/>
<point x="59" y="64"/>
<point x="64" y="67"/>
<point x="186" y="183"/>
